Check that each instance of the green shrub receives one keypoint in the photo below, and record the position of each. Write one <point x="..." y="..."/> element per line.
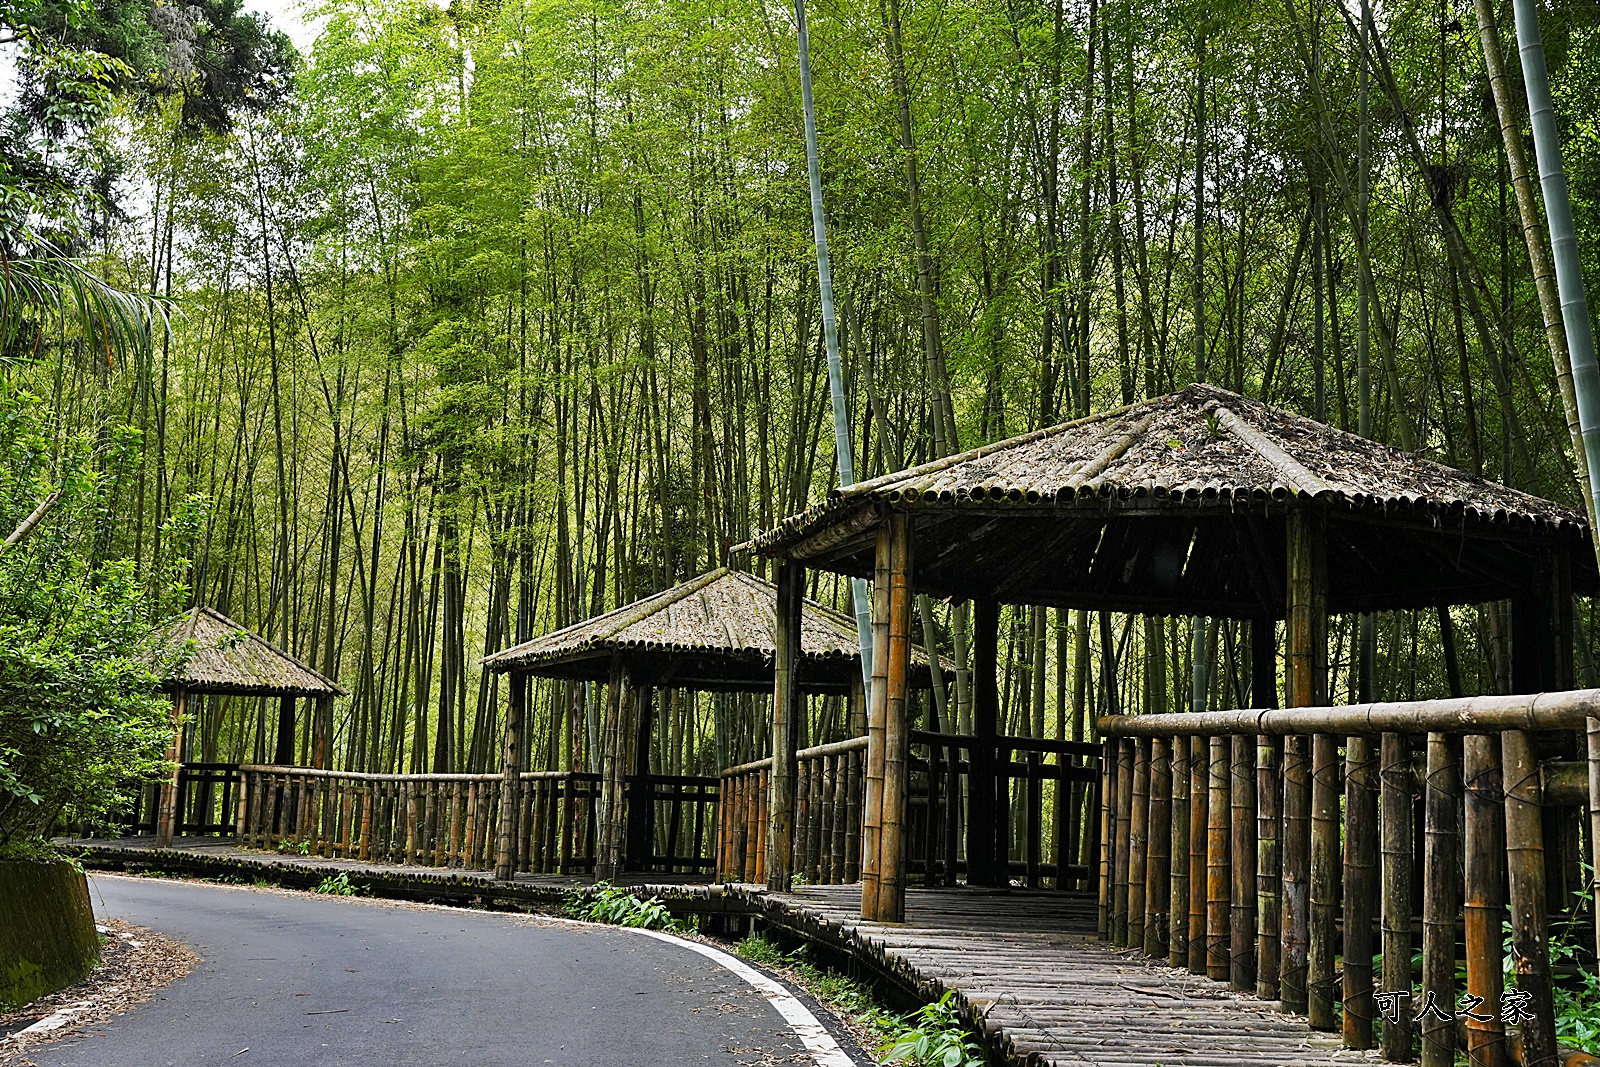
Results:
<point x="337" y="885"/>
<point x="933" y="1036"/>
<point x="615" y="906"/>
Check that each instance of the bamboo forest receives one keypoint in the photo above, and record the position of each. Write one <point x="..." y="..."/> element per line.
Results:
<point x="478" y="373"/>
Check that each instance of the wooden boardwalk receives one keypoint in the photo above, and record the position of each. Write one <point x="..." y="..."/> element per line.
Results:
<point x="1048" y="991"/>
<point x="1025" y="963"/>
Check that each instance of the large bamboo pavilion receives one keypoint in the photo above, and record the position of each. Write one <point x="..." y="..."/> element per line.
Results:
<point x="1203" y="502"/>
<point x="219" y="656"/>
<point x="718" y="632"/>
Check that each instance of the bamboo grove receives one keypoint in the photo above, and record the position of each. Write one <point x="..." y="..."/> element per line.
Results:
<point x="507" y="315"/>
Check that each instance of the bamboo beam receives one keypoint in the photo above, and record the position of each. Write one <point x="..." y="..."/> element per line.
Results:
<point x="1530" y="948"/>
<point x="1442" y="805"/>
<point x="786" y="700"/>
<point x="1219" y="881"/>
<point x="1158" y="882"/>
<point x="505" y="853"/>
<point x="1324" y="942"/>
<point x="1559" y="710"/>
<point x="1360" y="888"/>
<point x="1484" y="860"/>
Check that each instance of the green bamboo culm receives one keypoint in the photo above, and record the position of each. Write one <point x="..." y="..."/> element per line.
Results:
<point x="830" y="332"/>
<point x="1563" y="235"/>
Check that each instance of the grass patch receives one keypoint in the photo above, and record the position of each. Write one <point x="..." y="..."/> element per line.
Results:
<point x="615" y="906"/>
<point x="931" y="1036"/>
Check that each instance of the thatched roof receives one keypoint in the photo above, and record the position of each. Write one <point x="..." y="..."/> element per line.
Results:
<point x="1177" y="504"/>
<point x="714" y="632"/>
<point x="224" y="657"/>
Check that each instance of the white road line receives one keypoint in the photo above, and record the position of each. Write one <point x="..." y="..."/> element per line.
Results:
<point x="823" y="1048"/>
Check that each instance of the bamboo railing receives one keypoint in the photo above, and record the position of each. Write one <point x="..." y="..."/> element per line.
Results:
<point x="1276" y="851"/>
<point x="433" y="820"/>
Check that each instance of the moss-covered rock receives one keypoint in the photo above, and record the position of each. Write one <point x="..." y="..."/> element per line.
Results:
<point x="47" y="935"/>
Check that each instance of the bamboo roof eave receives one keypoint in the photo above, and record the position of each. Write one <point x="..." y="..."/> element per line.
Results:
<point x="224" y="658"/>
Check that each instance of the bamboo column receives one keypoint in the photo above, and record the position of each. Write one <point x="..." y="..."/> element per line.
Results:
<point x="1108" y="824"/>
<point x="1269" y="760"/>
<point x="1439" y="889"/>
<point x="608" y="848"/>
<point x="982" y="834"/>
<point x="1121" y="861"/>
<point x="883" y="837"/>
<point x="167" y="811"/>
<point x="1324" y="942"/>
<point x="1306" y="674"/>
<point x="1199" y="835"/>
<point x="1219" y="882"/>
<point x="1484" y="912"/>
<point x="1178" y="901"/>
<point x="505" y="853"/>
<point x="1395" y="811"/>
<point x="1138" y="841"/>
<point x="1360" y="888"/>
<point x="1242" y="923"/>
<point x="786" y="702"/>
<point x="1158" y="873"/>
<point x="1530" y="946"/>
<point x="322" y="729"/>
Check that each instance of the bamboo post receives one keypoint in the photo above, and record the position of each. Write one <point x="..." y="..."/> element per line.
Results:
<point x="1158" y="873"/>
<point x="1242" y="923"/>
<point x="883" y="850"/>
<point x="1484" y="859"/>
<point x="168" y="810"/>
<point x="1178" y="905"/>
<point x="1360" y="889"/>
<point x="982" y="833"/>
<point x="1119" y="854"/>
<point x="1305" y="661"/>
<point x="1395" y="803"/>
<point x="1593" y="738"/>
<point x="1138" y="841"/>
<point x="1323" y="945"/>
<point x="1530" y="947"/>
<point x="1269" y="871"/>
<point x="1107" y="817"/>
<point x="505" y="858"/>
<point x="322" y="729"/>
<point x="1219" y="882"/>
<point x="786" y="699"/>
<point x="1439" y="887"/>
<point x="1199" y="831"/>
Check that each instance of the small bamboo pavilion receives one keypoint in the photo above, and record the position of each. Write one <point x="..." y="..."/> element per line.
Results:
<point x="1220" y="837"/>
<point x="221" y="657"/>
<point x="719" y="632"/>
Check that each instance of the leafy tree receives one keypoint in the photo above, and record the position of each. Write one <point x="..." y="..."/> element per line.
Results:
<point x="80" y="718"/>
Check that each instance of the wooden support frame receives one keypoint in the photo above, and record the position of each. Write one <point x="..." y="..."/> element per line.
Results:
<point x="883" y="861"/>
<point x="786" y="706"/>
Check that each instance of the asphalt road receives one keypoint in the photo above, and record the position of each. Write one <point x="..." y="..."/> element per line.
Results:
<point x="299" y="979"/>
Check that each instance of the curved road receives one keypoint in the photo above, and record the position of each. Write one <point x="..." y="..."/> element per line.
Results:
<point x="300" y="979"/>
